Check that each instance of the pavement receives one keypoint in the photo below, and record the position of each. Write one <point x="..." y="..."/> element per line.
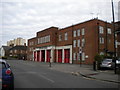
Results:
<point x="86" y="71"/>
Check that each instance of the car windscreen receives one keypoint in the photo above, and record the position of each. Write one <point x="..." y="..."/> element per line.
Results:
<point x="107" y="60"/>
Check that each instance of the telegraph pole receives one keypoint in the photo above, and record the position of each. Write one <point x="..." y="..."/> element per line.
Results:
<point x="114" y="35"/>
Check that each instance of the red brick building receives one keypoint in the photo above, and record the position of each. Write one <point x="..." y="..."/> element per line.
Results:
<point x="31" y="46"/>
<point x="73" y="44"/>
<point x="117" y="24"/>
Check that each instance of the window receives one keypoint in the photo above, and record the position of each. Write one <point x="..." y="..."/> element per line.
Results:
<point x="74" y="56"/>
<point x="15" y="51"/>
<point x="83" y="42"/>
<point x="74" y="43"/>
<point x="83" y="31"/>
<point x="101" y="30"/>
<point x="21" y="51"/>
<point x="78" y="44"/>
<point x="49" y="38"/>
<point x="78" y="56"/>
<point x="45" y="39"/>
<point x="74" y="33"/>
<point x="78" y="32"/>
<point x="66" y="36"/>
<point x="109" y="30"/>
<point x="60" y="37"/>
<point x="101" y="40"/>
<point x="38" y="40"/>
<point x="83" y="56"/>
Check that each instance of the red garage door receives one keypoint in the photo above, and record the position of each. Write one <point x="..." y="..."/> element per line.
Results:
<point x="67" y="55"/>
<point x="38" y="55"/>
<point x="42" y="55"/>
<point x="34" y="56"/>
<point x="48" y="55"/>
<point x="60" y="56"/>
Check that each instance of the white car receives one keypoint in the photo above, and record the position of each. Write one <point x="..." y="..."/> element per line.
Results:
<point x="106" y="63"/>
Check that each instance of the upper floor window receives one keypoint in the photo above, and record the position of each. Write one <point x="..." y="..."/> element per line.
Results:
<point x="74" y="56"/>
<point x="78" y="44"/>
<point x="101" y="40"/>
<point x="83" y="31"/>
<point x="15" y="51"/>
<point x="101" y="30"/>
<point x="109" y="30"/>
<point x="49" y="38"/>
<point x="83" y="42"/>
<point x="66" y="36"/>
<point x="60" y="37"/>
<point x="44" y="39"/>
<point x="74" y="43"/>
<point x="78" y="32"/>
<point x="74" y="33"/>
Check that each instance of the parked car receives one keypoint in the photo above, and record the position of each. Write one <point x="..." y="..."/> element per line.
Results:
<point x="107" y="63"/>
<point x="6" y="76"/>
<point x="117" y="63"/>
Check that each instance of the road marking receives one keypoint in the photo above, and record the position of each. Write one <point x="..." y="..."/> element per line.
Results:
<point x="28" y="64"/>
<point x="47" y="78"/>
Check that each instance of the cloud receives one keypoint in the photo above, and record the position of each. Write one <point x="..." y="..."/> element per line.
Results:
<point x="26" y="17"/>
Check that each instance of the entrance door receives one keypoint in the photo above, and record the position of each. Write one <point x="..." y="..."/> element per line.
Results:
<point x="67" y="55"/>
<point x="43" y="56"/>
<point x="48" y="55"/>
<point x="60" y="56"/>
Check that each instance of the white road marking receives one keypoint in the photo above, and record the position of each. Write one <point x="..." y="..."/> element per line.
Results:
<point x="47" y="78"/>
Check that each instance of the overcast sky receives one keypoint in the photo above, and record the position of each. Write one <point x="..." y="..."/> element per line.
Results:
<point x="23" y="18"/>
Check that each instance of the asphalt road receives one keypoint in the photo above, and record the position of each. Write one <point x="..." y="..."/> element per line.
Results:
<point x="29" y="74"/>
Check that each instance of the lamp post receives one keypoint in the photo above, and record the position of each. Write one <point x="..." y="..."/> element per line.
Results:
<point x="114" y="35"/>
<point x="80" y="53"/>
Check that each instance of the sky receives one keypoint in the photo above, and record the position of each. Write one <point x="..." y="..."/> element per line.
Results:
<point x="23" y="18"/>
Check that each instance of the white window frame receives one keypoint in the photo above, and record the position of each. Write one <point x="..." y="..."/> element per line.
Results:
<point x="74" y="43"/>
<point x="83" y="31"/>
<point x="60" y="37"/>
<point x="101" y="40"/>
<point x="83" y="56"/>
<point x="78" y="32"/>
<point x="48" y="38"/>
<point x="74" y="33"/>
<point x="101" y="30"/>
<point x="78" y="43"/>
<point x="74" y="56"/>
<point x="78" y="56"/>
<point x="83" y="42"/>
<point x="66" y="36"/>
<point x="109" y="31"/>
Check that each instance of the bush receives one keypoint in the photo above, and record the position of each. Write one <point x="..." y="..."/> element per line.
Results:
<point x="98" y="59"/>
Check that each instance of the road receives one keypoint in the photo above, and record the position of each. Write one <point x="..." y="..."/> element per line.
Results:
<point x="30" y="74"/>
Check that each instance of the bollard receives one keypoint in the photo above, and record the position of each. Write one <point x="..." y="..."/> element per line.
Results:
<point x="94" y="66"/>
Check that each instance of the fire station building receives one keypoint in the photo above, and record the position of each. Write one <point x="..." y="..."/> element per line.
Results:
<point x="78" y="43"/>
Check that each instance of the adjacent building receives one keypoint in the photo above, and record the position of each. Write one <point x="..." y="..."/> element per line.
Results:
<point x="78" y="43"/>
<point x="117" y="28"/>
<point x="4" y="51"/>
<point x="16" y="42"/>
<point x="19" y="52"/>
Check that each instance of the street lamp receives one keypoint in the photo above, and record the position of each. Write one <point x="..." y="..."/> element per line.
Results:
<point x="114" y="35"/>
<point x="80" y="53"/>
